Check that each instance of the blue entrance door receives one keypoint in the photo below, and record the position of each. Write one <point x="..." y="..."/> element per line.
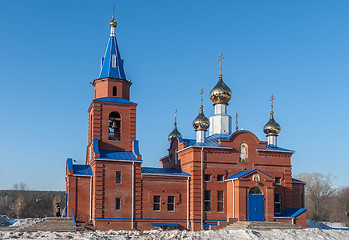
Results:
<point x="255" y="207"/>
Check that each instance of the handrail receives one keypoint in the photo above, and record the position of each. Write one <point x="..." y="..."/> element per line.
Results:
<point x="73" y="217"/>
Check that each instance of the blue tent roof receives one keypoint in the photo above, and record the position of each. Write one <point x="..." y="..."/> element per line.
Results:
<point x="110" y="69"/>
<point x="114" y="100"/>
<point x="244" y="173"/>
<point x="164" y="171"/>
<point x="291" y="213"/>
<point x="115" y="155"/>
<point x="82" y="170"/>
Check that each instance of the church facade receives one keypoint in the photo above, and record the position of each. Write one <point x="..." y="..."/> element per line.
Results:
<point x="218" y="178"/>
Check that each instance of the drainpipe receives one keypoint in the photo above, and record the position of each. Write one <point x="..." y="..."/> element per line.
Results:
<point x="132" y="212"/>
<point x="233" y="199"/>
<point x="91" y="198"/>
<point x="202" y="188"/>
<point x="188" y="203"/>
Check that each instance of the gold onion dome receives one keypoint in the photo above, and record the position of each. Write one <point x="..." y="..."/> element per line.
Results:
<point x="201" y="122"/>
<point x="174" y="133"/>
<point x="272" y="127"/>
<point x="220" y="93"/>
<point x="112" y="23"/>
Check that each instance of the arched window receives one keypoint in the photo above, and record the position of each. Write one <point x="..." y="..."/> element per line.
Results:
<point x="114" y="91"/>
<point x="114" y="126"/>
<point x="255" y="191"/>
<point x="113" y="61"/>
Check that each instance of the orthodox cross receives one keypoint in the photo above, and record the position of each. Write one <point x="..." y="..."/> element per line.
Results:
<point x="175" y="114"/>
<point x="272" y="98"/>
<point x="201" y="92"/>
<point x="236" y="122"/>
<point x="113" y="12"/>
<point x="220" y="63"/>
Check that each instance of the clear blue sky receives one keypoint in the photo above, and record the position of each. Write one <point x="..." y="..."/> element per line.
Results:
<point x="50" y="51"/>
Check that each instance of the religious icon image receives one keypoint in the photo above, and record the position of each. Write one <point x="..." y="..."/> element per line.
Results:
<point x="243" y="153"/>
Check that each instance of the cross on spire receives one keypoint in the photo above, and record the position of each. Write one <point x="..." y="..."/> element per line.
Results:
<point x="272" y="98"/>
<point x="236" y="122"/>
<point x="175" y="114"/>
<point x="113" y="12"/>
<point x="201" y="93"/>
<point x="220" y="63"/>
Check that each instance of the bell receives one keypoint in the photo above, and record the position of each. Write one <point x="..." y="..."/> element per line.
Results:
<point x="114" y="125"/>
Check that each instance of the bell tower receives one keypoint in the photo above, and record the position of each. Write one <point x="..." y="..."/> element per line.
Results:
<point x="112" y="116"/>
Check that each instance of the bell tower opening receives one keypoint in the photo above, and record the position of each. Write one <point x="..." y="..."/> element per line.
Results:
<point x="114" y="126"/>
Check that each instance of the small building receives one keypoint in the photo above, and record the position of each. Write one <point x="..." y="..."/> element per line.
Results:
<point x="220" y="177"/>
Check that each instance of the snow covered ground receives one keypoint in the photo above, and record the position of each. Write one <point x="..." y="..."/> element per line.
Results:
<point x="314" y="232"/>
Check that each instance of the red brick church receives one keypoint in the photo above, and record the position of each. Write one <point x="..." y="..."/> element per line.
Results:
<point x="220" y="177"/>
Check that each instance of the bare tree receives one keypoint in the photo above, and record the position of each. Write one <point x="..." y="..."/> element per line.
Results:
<point x="20" y="186"/>
<point x="319" y="190"/>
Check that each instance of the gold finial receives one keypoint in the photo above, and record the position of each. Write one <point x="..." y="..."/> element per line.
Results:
<point x="220" y="63"/>
<point x="175" y="112"/>
<point x="236" y="122"/>
<point x="113" y="12"/>
<point x="272" y="98"/>
<point x="201" y="92"/>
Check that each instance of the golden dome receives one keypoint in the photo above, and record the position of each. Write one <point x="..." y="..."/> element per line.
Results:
<point x="220" y="93"/>
<point x="201" y="122"/>
<point x="112" y="23"/>
<point x="272" y="127"/>
<point x="174" y="133"/>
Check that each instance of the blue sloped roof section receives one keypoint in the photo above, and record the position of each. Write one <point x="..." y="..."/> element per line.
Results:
<point x="109" y="69"/>
<point x="82" y="170"/>
<point x="115" y="155"/>
<point x="277" y="149"/>
<point x="297" y="181"/>
<point x="164" y="171"/>
<point x="291" y="212"/>
<point x="113" y="100"/>
<point x="244" y="173"/>
<point x="95" y="145"/>
<point x="212" y="141"/>
<point x="70" y="163"/>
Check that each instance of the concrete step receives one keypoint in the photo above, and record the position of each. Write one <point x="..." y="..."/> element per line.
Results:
<point x="50" y="224"/>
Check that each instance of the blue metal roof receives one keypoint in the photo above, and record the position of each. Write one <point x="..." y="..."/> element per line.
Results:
<point x="115" y="155"/>
<point x="291" y="213"/>
<point x="95" y="145"/>
<point x="164" y="224"/>
<point x="113" y="100"/>
<point x="277" y="149"/>
<point x="70" y="163"/>
<point x="212" y="140"/>
<point x="209" y="224"/>
<point x="109" y="69"/>
<point x="297" y="181"/>
<point x="82" y="170"/>
<point x="244" y="173"/>
<point x="164" y="171"/>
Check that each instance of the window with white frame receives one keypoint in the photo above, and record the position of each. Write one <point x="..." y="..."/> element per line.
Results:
<point x="118" y="177"/>
<point x="277" y="202"/>
<point x="220" y="201"/>
<point x="207" y="177"/>
<point x="117" y="204"/>
<point x="220" y="178"/>
<point x="207" y="201"/>
<point x="156" y="204"/>
<point x="170" y="203"/>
